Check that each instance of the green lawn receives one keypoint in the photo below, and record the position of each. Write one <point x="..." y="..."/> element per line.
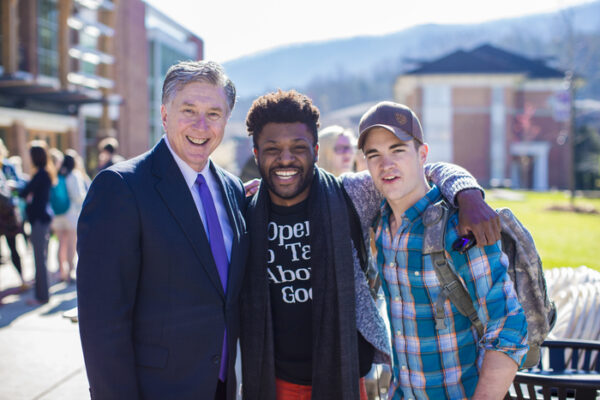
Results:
<point x="563" y="239"/>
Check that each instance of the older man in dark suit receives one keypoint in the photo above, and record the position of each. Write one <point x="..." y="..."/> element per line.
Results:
<point x="162" y="244"/>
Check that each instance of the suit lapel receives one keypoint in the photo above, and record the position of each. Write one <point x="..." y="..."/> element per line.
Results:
<point x="174" y="191"/>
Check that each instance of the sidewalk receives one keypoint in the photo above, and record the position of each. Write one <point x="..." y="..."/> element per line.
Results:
<point x="40" y="351"/>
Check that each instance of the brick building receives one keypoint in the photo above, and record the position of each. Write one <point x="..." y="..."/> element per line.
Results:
<point x="500" y="115"/>
<point x="75" y="71"/>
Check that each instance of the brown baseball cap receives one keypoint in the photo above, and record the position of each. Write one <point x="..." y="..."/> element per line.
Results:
<point x="396" y="118"/>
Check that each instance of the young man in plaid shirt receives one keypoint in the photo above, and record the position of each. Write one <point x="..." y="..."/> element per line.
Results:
<point x="432" y="363"/>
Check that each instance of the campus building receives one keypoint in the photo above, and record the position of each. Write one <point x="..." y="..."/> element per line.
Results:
<point x="502" y="116"/>
<point x="168" y="43"/>
<point x="75" y="71"/>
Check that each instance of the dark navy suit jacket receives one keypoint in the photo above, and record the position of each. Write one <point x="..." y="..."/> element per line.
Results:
<point x="152" y="310"/>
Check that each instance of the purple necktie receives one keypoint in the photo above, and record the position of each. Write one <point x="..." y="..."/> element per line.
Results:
<point x="217" y="247"/>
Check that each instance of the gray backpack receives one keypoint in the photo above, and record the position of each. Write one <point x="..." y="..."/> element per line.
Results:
<point x="525" y="270"/>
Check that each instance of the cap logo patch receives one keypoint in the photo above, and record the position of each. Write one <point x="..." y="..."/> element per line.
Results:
<point x="400" y="118"/>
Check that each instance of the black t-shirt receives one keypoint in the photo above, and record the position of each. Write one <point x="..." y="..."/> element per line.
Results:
<point x="289" y="269"/>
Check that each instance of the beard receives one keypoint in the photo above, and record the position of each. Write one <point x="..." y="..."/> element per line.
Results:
<point x="287" y="192"/>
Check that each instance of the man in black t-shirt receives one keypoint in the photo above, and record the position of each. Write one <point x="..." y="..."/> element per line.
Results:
<point x="300" y="328"/>
<point x="287" y="153"/>
<point x="288" y="272"/>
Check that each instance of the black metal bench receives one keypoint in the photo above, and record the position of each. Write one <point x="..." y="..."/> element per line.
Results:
<point x="567" y="369"/>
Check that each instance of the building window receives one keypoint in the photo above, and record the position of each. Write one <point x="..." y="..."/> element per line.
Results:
<point x="498" y="138"/>
<point x="88" y="68"/>
<point x="47" y="20"/>
<point x="88" y="41"/>
<point x="168" y="57"/>
<point x="437" y="121"/>
<point x="161" y="58"/>
<point x="92" y="128"/>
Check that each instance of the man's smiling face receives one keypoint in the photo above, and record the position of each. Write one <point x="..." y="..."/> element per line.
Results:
<point x="286" y="155"/>
<point x="396" y="166"/>
<point x="195" y="120"/>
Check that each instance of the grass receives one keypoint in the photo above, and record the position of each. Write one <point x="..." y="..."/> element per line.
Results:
<point x="563" y="238"/>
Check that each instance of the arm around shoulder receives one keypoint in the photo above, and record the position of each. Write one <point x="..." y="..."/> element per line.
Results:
<point x="364" y="196"/>
<point x="461" y="189"/>
<point x="108" y="235"/>
<point x="451" y="179"/>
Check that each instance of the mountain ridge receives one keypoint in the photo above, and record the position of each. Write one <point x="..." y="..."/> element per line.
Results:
<point x="297" y="65"/>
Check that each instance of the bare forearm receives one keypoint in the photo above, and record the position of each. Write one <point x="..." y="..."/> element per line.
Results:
<point x="496" y="375"/>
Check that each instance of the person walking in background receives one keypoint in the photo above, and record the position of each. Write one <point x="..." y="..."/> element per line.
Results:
<point x="80" y="168"/>
<point x="337" y="147"/>
<point x="107" y="153"/>
<point x="39" y="215"/>
<point x="10" y="221"/>
<point x="56" y="157"/>
<point x="162" y="245"/>
<point x="70" y="190"/>
<point x="22" y="178"/>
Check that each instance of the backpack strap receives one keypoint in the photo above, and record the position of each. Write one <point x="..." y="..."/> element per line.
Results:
<point x="435" y="219"/>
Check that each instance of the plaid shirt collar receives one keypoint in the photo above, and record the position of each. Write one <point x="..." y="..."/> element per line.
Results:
<point x="413" y="213"/>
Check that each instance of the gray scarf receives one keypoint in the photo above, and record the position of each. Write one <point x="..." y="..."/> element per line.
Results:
<point x="335" y="372"/>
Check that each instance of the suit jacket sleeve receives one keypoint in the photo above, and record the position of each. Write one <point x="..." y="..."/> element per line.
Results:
<point x="107" y="274"/>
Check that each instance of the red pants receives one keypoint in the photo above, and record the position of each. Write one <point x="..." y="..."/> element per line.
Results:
<point x="291" y="391"/>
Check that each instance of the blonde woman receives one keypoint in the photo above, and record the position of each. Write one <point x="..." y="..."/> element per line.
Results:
<point x="337" y="147"/>
<point x="64" y="224"/>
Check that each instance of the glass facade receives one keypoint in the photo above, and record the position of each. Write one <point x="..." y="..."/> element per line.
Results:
<point x="161" y="57"/>
<point x="88" y="41"/>
<point x="168" y="57"/>
<point x="92" y="127"/>
<point x="47" y="20"/>
<point x="88" y="68"/>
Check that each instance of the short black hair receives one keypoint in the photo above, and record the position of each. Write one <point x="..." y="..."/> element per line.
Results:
<point x="39" y="156"/>
<point x="282" y="107"/>
<point x="109" y="144"/>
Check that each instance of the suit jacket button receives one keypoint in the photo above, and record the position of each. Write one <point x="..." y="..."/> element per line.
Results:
<point x="215" y="359"/>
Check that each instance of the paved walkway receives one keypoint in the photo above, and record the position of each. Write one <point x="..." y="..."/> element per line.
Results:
<point x="40" y="352"/>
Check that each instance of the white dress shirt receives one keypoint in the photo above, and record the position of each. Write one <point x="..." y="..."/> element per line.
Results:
<point x="215" y="190"/>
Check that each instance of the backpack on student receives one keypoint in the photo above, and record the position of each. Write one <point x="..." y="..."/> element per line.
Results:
<point x="524" y="268"/>
<point x="59" y="197"/>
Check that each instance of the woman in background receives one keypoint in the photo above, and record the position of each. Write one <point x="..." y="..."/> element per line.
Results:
<point x="337" y="147"/>
<point x="39" y="215"/>
<point x="65" y="224"/>
<point x="10" y="223"/>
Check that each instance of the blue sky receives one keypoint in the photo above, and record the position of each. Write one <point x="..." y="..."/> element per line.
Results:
<point x="231" y="29"/>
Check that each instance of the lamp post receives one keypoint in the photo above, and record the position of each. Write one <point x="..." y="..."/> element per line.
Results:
<point x="570" y="82"/>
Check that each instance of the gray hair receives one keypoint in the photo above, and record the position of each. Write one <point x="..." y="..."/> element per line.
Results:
<point x="185" y="72"/>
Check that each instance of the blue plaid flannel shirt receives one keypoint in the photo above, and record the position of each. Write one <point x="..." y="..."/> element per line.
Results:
<point x="438" y="364"/>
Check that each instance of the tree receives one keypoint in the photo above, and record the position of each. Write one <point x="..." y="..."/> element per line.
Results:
<point x="587" y="158"/>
